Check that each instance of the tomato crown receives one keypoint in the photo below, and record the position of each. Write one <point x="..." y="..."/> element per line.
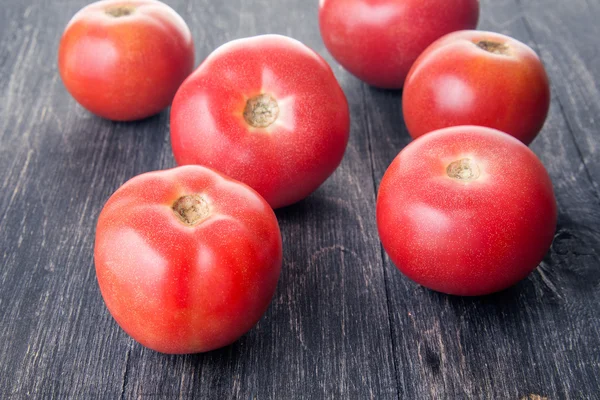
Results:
<point x="494" y="47"/>
<point x="464" y="170"/>
<point x="261" y="111"/>
<point x="191" y="209"/>
<point x="120" y="11"/>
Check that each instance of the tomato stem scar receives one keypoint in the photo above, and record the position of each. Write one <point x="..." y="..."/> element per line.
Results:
<point x="464" y="170"/>
<point x="494" y="47"/>
<point x="261" y="111"/>
<point x="120" y="11"/>
<point x="191" y="209"/>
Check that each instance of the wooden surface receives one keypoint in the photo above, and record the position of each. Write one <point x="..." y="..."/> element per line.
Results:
<point x="344" y="323"/>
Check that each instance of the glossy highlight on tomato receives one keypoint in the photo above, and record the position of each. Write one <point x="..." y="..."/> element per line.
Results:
<point x="466" y="210"/>
<point x="477" y="78"/>
<point x="187" y="259"/>
<point x="267" y="111"/>
<point x="124" y="59"/>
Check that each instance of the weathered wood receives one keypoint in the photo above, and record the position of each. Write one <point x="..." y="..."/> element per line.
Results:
<point x="566" y="35"/>
<point x="540" y="337"/>
<point x="326" y="325"/>
<point x="344" y="322"/>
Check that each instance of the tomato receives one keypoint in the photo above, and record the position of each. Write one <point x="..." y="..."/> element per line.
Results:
<point x="124" y="59"/>
<point x="187" y="259"/>
<point x="266" y="111"/>
<point x="477" y="78"/>
<point x="378" y="40"/>
<point x="466" y="210"/>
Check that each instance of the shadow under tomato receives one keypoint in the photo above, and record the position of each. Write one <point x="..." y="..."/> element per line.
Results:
<point x="263" y="337"/>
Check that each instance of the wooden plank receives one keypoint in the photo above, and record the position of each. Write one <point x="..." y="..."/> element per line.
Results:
<point x="328" y="322"/>
<point x="344" y="323"/>
<point x="540" y="337"/>
<point x="327" y="332"/>
<point x="566" y="35"/>
<point x="52" y="334"/>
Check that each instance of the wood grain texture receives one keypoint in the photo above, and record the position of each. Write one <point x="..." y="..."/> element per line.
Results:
<point x="344" y="324"/>
<point x="539" y="337"/>
<point x="574" y="65"/>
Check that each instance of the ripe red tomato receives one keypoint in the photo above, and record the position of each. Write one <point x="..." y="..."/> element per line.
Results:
<point x="378" y="40"/>
<point x="266" y="111"/>
<point x="477" y="78"/>
<point x="466" y="210"/>
<point x="124" y="59"/>
<point x="187" y="259"/>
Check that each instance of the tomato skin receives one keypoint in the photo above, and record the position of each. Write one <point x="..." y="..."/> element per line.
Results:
<point x="378" y="40"/>
<point x="127" y="67"/>
<point x="455" y="82"/>
<point x="285" y="161"/>
<point x="466" y="238"/>
<point x="186" y="289"/>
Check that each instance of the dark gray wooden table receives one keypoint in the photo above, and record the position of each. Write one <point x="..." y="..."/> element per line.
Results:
<point x="344" y="323"/>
